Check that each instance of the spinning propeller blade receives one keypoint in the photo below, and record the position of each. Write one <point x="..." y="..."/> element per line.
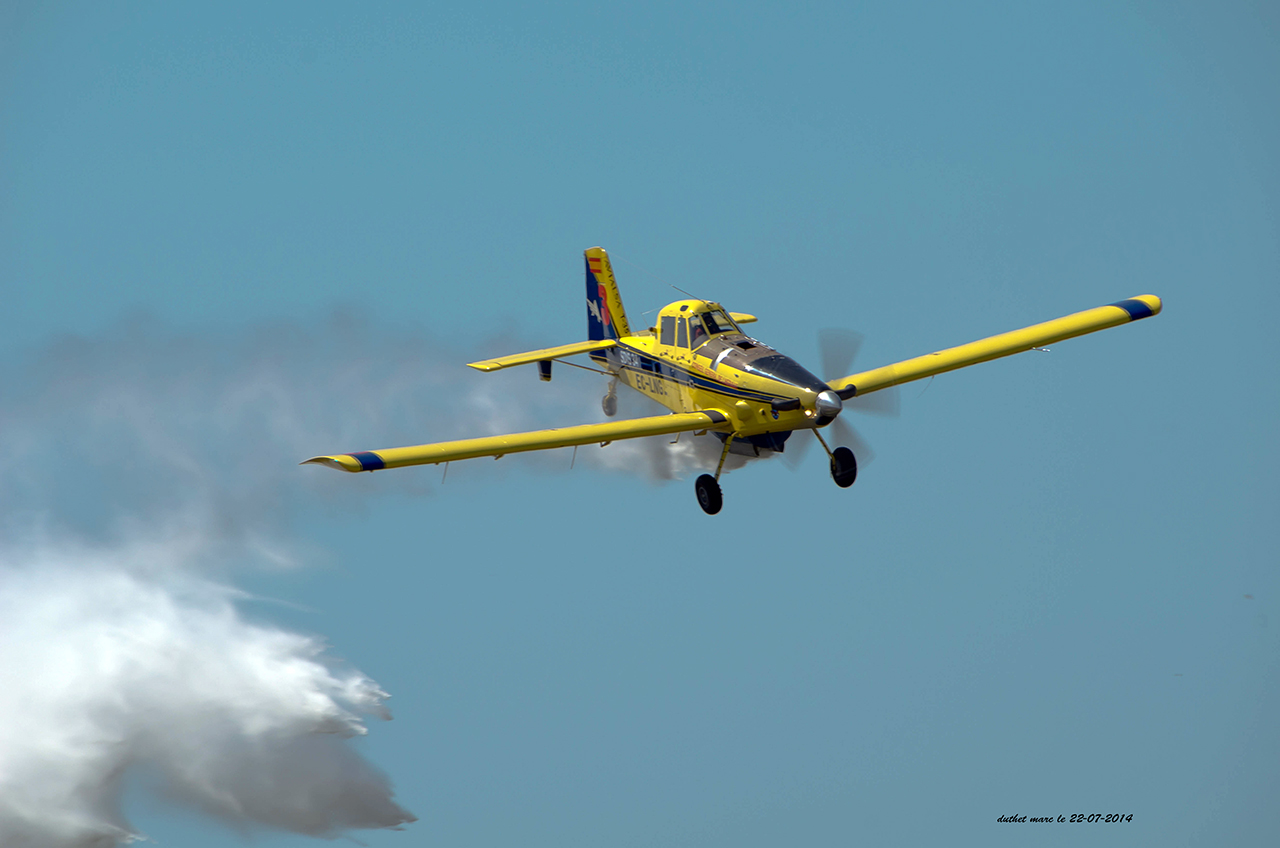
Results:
<point x="884" y="402"/>
<point x="797" y="448"/>
<point x="843" y="433"/>
<point x="838" y="348"/>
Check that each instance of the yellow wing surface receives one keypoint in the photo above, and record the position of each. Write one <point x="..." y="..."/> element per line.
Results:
<point x="546" y="353"/>
<point x="1005" y="344"/>
<point x="563" y="437"/>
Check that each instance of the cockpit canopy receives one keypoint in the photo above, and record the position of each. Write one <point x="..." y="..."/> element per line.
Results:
<point x="692" y="323"/>
<point x="709" y="330"/>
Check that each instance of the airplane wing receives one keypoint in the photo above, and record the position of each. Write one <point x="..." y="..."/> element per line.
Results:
<point x="497" y="446"/>
<point x="1005" y="344"/>
<point x="546" y="353"/>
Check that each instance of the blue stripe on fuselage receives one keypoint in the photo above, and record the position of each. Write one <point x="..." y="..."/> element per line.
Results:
<point x="677" y="374"/>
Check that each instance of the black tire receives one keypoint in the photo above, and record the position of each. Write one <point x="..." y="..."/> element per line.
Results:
<point x="844" y="467"/>
<point x="610" y="405"/>
<point x="709" y="497"/>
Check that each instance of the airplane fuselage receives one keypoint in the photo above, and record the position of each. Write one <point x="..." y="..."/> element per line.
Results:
<point x="766" y="394"/>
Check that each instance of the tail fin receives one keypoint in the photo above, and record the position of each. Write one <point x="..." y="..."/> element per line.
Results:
<point x="606" y="319"/>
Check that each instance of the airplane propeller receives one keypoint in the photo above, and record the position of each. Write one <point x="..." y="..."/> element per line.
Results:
<point x="837" y="349"/>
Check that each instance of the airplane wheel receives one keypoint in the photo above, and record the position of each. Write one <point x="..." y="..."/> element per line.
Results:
<point x="610" y="405"/>
<point x="844" y="467"/>
<point x="709" y="497"/>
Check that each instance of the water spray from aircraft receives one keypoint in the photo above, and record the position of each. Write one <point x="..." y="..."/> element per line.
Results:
<point x="139" y="473"/>
<point x="114" y="673"/>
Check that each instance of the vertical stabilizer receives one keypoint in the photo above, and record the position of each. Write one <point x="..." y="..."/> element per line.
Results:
<point x="606" y="319"/>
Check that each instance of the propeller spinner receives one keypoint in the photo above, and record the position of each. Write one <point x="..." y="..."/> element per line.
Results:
<point x="837" y="349"/>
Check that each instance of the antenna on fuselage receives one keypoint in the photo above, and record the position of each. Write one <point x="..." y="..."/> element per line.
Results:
<point x="694" y="296"/>
<point x="659" y="279"/>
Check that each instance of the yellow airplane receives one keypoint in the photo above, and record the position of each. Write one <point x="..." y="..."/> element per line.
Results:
<point x="714" y="378"/>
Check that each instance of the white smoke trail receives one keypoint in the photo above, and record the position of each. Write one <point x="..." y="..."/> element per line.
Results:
<point x="154" y="466"/>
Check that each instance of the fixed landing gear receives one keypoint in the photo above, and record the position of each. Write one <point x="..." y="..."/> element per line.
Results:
<point x="709" y="496"/>
<point x="707" y="486"/>
<point x="844" y="467"/>
<point x="844" y="470"/>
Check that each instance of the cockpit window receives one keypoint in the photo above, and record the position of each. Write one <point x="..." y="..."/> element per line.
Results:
<point x="668" y="330"/>
<point x="718" y="322"/>
<point x="697" y="333"/>
<point x="682" y="334"/>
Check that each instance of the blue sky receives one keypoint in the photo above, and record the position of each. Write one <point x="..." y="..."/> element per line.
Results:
<point x="1053" y="592"/>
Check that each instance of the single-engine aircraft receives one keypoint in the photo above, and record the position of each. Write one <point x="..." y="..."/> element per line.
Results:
<point x="697" y="362"/>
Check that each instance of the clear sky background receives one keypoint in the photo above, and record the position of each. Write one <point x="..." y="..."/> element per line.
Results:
<point x="1053" y="592"/>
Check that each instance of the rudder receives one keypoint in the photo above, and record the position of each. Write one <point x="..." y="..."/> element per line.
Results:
<point x="606" y="319"/>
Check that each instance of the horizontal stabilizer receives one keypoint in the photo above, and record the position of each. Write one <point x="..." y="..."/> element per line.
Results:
<point x="742" y="318"/>
<point x="540" y="355"/>
<point x="584" y="434"/>
<point x="1005" y="344"/>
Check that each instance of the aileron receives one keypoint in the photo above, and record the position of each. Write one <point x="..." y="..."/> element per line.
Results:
<point x="1005" y="344"/>
<point x="561" y="437"/>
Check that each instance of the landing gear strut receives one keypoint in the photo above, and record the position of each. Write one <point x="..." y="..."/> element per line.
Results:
<point x="707" y="486"/>
<point x="844" y="466"/>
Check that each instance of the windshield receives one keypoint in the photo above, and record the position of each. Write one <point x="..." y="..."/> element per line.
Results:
<point x="784" y="369"/>
<point x="718" y="322"/>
